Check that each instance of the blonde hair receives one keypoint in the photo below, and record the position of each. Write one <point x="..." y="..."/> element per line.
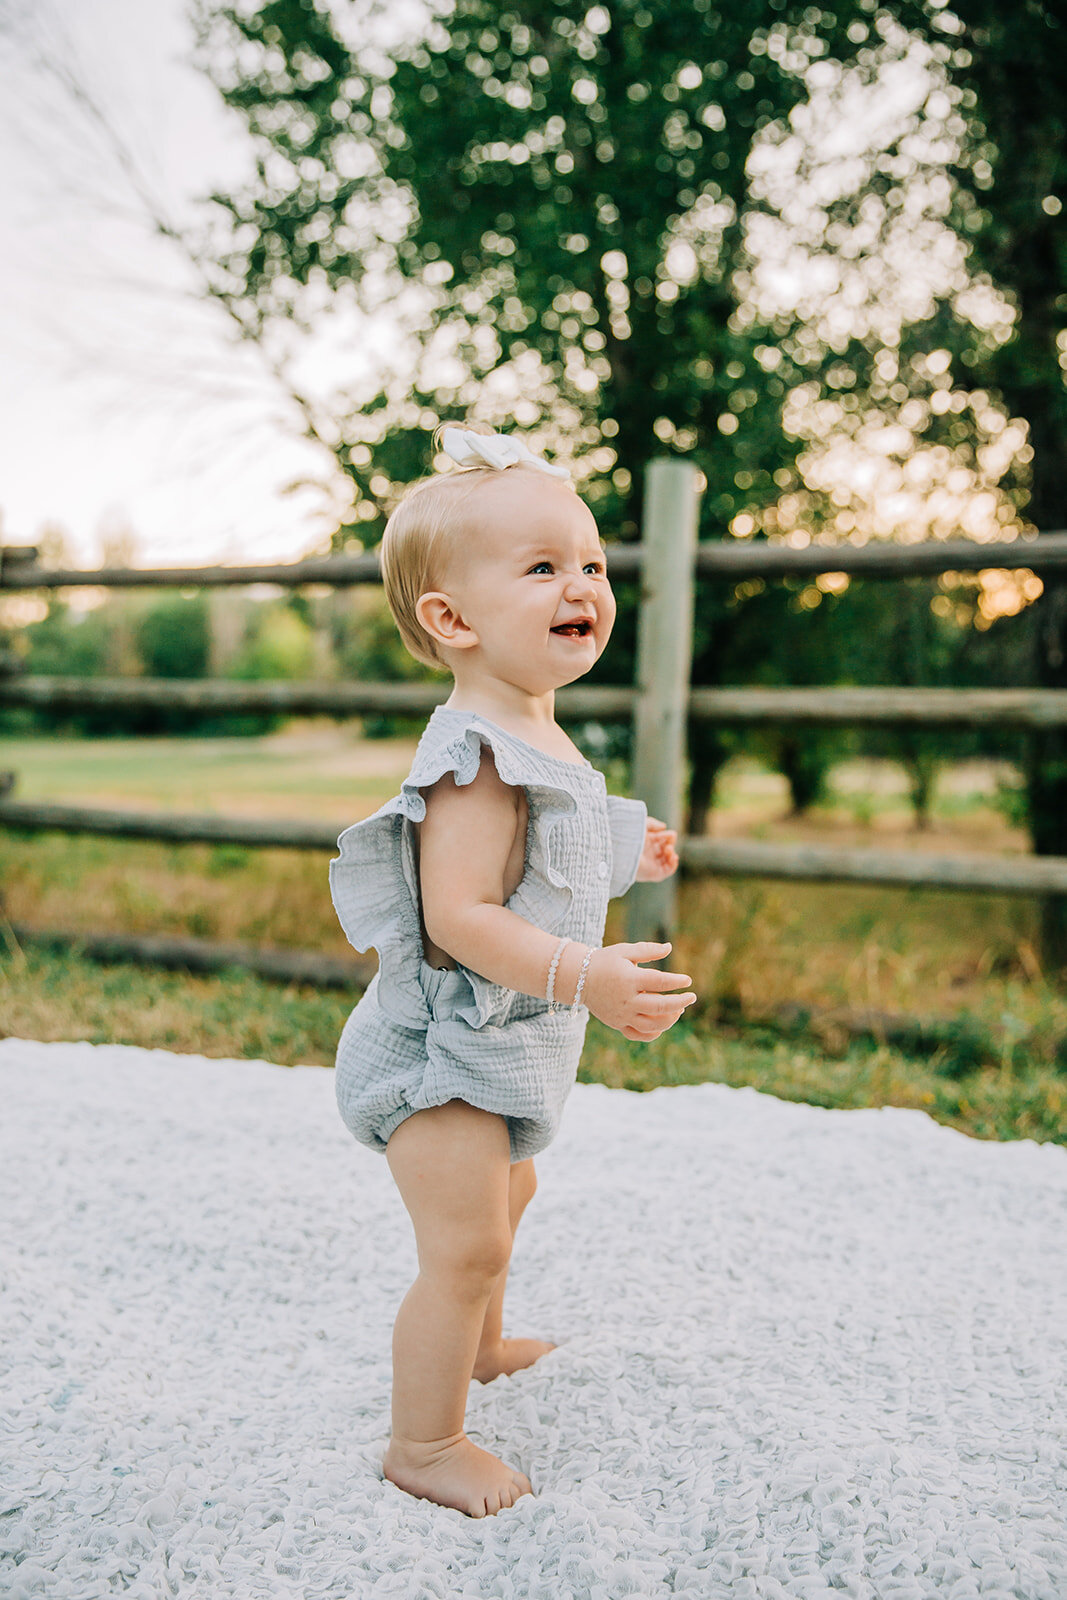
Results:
<point x="422" y="535"/>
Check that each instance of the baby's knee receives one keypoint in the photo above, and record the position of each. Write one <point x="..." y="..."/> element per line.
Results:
<point x="472" y="1260"/>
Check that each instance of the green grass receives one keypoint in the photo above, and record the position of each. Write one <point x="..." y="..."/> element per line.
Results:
<point x="187" y="774"/>
<point x="235" y="1015"/>
<point x="750" y="944"/>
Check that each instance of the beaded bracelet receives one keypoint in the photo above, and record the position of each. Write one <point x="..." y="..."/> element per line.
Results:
<point x="581" y="978"/>
<point x="550" y="991"/>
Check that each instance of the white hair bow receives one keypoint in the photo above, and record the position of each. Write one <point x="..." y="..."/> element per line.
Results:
<point x="496" y="449"/>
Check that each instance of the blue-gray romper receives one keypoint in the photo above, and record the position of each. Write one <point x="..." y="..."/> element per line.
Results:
<point x="422" y="1035"/>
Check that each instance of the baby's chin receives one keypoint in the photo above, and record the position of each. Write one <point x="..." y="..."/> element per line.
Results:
<point x="579" y="670"/>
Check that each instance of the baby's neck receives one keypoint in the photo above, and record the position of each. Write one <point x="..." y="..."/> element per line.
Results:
<point x="504" y="703"/>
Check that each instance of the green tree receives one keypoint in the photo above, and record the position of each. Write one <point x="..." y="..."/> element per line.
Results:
<point x="562" y="197"/>
<point x="66" y="644"/>
<point x="563" y="193"/>
<point x="173" y="641"/>
<point x="566" y="213"/>
<point x="370" y="648"/>
<point x="63" y="644"/>
<point x="278" y="644"/>
<point x="1006" y="78"/>
<point x="173" y="638"/>
<point x="1012" y="69"/>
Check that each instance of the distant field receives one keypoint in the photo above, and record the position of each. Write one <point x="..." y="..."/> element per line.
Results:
<point x="311" y="771"/>
<point x="325" y="771"/>
<point x="750" y="944"/>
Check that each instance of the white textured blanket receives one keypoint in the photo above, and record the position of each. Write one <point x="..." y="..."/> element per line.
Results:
<point x="802" y="1352"/>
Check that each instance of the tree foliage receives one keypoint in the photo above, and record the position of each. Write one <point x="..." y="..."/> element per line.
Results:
<point x="1011" y="74"/>
<point x="560" y="193"/>
<point x="570" y="216"/>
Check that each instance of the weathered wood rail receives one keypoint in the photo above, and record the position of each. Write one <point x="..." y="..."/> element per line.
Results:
<point x="724" y="857"/>
<point x="972" y="708"/>
<point x="1044" y="552"/>
<point x="206" y="955"/>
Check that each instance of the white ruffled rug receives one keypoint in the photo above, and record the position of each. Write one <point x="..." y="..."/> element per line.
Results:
<point x="803" y="1352"/>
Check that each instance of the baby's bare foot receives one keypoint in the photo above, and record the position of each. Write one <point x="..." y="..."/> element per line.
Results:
<point x="454" y="1472"/>
<point x="508" y="1356"/>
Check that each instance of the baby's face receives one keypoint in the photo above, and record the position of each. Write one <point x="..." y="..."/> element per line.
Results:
<point x="532" y="563"/>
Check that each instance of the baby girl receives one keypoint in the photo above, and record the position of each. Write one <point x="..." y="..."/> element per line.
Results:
<point x="484" y="886"/>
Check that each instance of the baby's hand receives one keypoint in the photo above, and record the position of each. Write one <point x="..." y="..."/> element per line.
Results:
<point x="630" y="998"/>
<point x="659" y="857"/>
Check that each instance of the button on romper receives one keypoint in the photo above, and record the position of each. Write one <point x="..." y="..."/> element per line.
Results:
<point x="420" y="1035"/>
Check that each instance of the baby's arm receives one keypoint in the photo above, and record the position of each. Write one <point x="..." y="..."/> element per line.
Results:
<point x="465" y="840"/>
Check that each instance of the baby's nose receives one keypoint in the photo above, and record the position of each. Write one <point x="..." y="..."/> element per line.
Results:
<point x="582" y="584"/>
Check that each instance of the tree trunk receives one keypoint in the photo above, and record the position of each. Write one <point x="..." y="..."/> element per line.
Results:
<point x="921" y="764"/>
<point x="802" y="761"/>
<point x="708" y="754"/>
<point x="1046" y="777"/>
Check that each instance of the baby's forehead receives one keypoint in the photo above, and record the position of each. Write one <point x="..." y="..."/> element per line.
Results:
<point x="520" y="507"/>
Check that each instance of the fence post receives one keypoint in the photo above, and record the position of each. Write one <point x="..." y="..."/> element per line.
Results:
<point x="664" y="668"/>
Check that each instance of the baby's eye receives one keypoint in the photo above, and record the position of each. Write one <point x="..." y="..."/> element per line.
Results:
<point x="598" y="566"/>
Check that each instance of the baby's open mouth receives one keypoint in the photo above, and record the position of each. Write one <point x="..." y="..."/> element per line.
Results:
<point x="573" y="630"/>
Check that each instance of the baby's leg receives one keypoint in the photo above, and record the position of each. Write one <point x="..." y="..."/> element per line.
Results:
<point x="451" y="1165"/>
<point x="495" y="1353"/>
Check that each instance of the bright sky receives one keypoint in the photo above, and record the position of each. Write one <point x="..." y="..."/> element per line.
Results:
<point x="124" y="401"/>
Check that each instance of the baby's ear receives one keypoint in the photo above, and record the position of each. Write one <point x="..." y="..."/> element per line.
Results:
<point x="440" y="618"/>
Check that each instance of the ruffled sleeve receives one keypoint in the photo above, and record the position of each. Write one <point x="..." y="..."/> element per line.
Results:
<point x="374" y="878"/>
<point x="626" y="819"/>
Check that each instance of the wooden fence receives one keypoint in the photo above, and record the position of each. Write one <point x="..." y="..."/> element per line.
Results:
<point x="665" y="565"/>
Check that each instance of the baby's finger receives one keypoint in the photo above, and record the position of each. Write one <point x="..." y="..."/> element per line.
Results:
<point x="644" y="950"/>
<point x="654" y="979"/>
<point x="664" y="1009"/>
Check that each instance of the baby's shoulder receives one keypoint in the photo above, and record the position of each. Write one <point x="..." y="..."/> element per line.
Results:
<point x="479" y="794"/>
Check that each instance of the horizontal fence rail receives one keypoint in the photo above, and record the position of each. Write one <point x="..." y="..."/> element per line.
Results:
<point x="27" y="816"/>
<point x="972" y="708"/>
<point x="733" y="857"/>
<point x="220" y="694"/>
<point x="831" y="863"/>
<point x="737" y="558"/>
<point x="1044" y="552"/>
<point x="205" y="955"/>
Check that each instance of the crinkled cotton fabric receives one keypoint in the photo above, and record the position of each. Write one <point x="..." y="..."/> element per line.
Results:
<point x="420" y="1035"/>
